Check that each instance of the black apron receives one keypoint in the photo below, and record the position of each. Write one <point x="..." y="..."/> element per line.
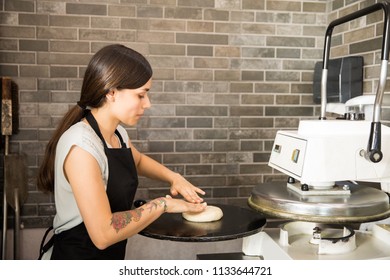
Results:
<point x="122" y="184"/>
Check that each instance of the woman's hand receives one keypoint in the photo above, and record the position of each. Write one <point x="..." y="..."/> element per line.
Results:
<point x="179" y="205"/>
<point x="190" y="193"/>
<point x="150" y="168"/>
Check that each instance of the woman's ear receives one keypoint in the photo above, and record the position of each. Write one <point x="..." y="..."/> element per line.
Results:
<point x="111" y="95"/>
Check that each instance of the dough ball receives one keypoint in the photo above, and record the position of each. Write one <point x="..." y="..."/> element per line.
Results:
<point x="210" y="214"/>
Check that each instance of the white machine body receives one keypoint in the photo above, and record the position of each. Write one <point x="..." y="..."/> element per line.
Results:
<point x="322" y="152"/>
<point x="319" y="154"/>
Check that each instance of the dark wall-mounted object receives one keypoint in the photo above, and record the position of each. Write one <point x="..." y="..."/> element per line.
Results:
<point x="345" y="79"/>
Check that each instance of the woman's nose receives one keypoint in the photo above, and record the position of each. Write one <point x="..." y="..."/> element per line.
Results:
<point x="146" y="104"/>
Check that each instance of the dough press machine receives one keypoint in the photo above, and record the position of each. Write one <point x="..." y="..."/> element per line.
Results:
<point x="329" y="204"/>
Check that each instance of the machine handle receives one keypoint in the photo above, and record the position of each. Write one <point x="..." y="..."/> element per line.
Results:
<point x="373" y="153"/>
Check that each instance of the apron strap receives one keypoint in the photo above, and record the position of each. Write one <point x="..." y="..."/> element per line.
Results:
<point x="123" y="145"/>
<point x="45" y="247"/>
<point x="92" y="121"/>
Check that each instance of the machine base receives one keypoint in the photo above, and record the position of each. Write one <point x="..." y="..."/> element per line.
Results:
<point x="371" y="245"/>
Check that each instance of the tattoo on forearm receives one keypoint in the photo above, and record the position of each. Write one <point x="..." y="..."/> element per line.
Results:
<point x="121" y="219"/>
<point x="154" y="204"/>
<point x="151" y="205"/>
<point x="163" y="203"/>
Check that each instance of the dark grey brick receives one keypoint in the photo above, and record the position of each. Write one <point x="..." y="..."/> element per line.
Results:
<point x="288" y="111"/>
<point x="107" y="35"/>
<point x="366" y="46"/>
<point x="226" y="146"/>
<point x="63" y="72"/>
<point x="257" y="99"/>
<point x="193" y="146"/>
<point x="34" y="45"/>
<point x="34" y="71"/>
<point x="164" y="134"/>
<point x="30" y="19"/>
<point x="210" y="134"/>
<point x="19" y="6"/>
<point x="199" y="122"/>
<point x="51" y="84"/>
<point x="8" y="44"/>
<point x="69" y="21"/>
<point x="208" y="39"/>
<point x="201" y="111"/>
<point x="216" y="15"/>
<point x="241" y="87"/>
<point x="196" y="3"/>
<point x="150" y="11"/>
<point x="227" y="122"/>
<point x="182" y="158"/>
<point x="230" y="98"/>
<point x="17" y="57"/>
<point x="290" y="42"/>
<point x="200" y="50"/>
<point x="18" y="32"/>
<point x="252" y="75"/>
<point x="209" y="181"/>
<point x="251" y="145"/>
<point x="246" y="111"/>
<point x="253" y="4"/>
<point x="86" y="9"/>
<point x="57" y="33"/>
<point x="244" y="180"/>
<point x="161" y="146"/>
<point x="257" y="122"/>
<point x="199" y="169"/>
<point x="183" y="13"/>
<point x="261" y="157"/>
<point x="9" y="70"/>
<point x="225" y="192"/>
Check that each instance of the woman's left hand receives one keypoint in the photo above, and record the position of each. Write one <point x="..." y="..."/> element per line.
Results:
<point x="190" y="193"/>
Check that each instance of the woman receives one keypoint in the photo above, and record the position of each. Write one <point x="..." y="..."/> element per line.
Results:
<point x="92" y="167"/>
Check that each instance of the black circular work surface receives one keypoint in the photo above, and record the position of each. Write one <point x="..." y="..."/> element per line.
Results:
<point x="236" y="222"/>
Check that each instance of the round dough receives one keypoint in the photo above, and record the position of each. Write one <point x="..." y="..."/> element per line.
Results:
<point x="210" y="214"/>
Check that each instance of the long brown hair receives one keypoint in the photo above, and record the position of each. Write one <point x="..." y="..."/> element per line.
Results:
<point x="112" y="67"/>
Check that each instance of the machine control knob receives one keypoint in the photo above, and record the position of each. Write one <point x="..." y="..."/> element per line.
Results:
<point x="291" y="180"/>
<point x="304" y="187"/>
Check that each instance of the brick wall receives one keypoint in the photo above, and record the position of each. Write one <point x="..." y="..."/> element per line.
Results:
<point x="228" y="75"/>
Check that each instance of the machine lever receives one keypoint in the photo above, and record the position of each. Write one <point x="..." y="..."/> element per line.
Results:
<point x="373" y="152"/>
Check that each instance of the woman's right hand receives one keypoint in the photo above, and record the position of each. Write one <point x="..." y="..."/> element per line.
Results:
<point x="174" y="205"/>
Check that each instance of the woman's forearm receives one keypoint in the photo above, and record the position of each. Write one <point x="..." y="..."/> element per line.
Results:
<point x="127" y="223"/>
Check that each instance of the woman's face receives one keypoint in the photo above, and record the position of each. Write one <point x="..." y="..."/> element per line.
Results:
<point x="130" y="104"/>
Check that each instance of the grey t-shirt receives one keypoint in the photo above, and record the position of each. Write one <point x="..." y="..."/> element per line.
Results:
<point x="83" y="136"/>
